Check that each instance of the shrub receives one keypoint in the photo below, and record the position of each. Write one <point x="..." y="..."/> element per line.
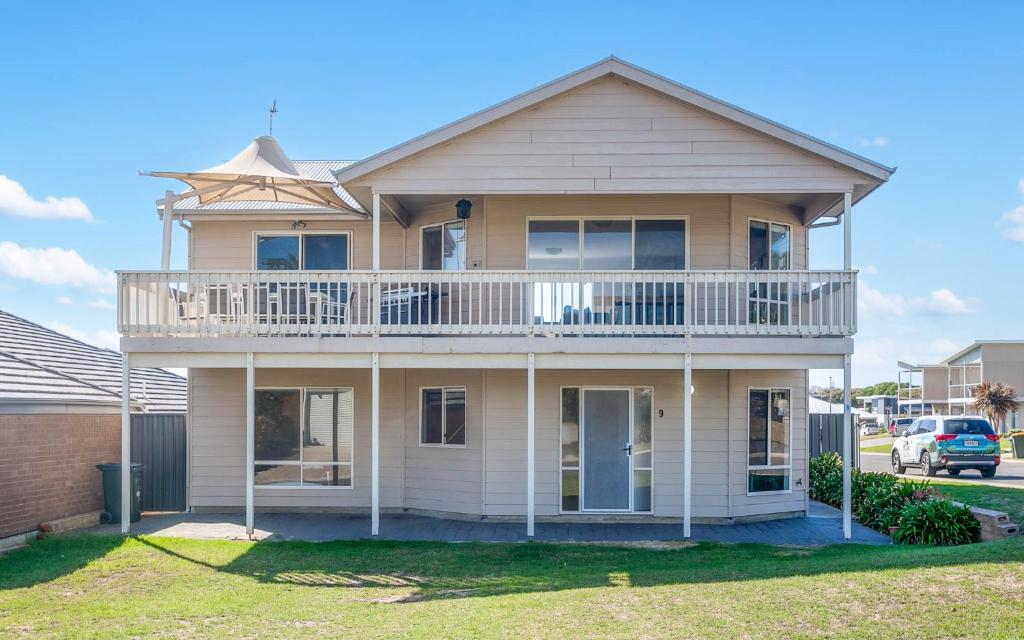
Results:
<point x="881" y="502"/>
<point x="868" y="483"/>
<point x="825" y="474"/>
<point x="937" y="522"/>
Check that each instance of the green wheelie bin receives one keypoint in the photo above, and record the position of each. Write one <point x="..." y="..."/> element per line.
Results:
<point x="112" y="492"/>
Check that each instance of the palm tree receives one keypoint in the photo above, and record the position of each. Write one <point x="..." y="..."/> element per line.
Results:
<point x="995" y="401"/>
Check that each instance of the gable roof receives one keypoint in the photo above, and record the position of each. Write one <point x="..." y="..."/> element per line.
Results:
<point x="633" y="73"/>
<point x="322" y="170"/>
<point x="976" y="344"/>
<point x="40" y="364"/>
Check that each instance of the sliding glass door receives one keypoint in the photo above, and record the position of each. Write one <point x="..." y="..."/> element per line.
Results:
<point x="607" y="244"/>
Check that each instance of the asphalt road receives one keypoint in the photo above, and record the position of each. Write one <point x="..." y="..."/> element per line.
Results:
<point x="1010" y="473"/>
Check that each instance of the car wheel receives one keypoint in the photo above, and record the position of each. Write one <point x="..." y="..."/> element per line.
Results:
<point x="989" y="472"/>
<point x="897" y="464"/>
<point x="953" y="472"/>
<point x="926" y="465"/>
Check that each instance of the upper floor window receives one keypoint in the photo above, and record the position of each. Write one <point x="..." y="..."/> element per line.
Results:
<point x="607" y="244"/>
<point x="769" y="245"/>
<point x="443" y="246"/>
<point x="309" y="251"/>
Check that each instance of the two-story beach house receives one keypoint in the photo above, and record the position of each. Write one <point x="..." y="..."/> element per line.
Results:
<point x="590" y="301"/>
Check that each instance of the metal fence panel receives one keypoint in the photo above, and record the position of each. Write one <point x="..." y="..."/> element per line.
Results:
<point x="826" y="435"/>
<point x="158" y="442"/>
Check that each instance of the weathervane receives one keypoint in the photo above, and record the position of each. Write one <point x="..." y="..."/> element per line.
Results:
<point x="272" y="110"/>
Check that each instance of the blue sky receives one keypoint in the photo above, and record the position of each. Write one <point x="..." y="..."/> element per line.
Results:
<point x="93" y="93"/>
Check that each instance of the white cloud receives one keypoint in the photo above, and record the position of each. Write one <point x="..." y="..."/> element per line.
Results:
<point x="867" y="270"/>
<point x="1013" y="224"/>
<point x="54" y="265"/>
<point x="874" y="302"/>
<point x="15" y="201"/>
<point x="63" y="300"/>
<point x="945" y="302"/>
<point x="1020" y="186"/>
<point x="102" y="304"/>
<point x="875" y="141"/>
<point x="105" y="339"/>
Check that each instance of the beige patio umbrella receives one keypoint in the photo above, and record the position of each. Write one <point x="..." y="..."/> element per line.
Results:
<point x="261" y="172"/>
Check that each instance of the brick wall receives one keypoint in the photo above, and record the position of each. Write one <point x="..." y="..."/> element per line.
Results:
<point x="48" y="466"/>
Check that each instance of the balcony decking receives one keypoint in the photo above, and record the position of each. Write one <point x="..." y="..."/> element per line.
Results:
<point x="486" y="303"/>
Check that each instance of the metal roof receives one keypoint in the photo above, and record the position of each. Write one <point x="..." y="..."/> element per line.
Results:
<point x="41" y="364"/>
<point x="322" y="170"/>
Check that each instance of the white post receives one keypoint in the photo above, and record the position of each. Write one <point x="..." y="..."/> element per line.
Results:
<point x="376" y="231"/>
<point x="250" y="442"/>
<point x="165" y="255"/>
<point x="847" y="231"/>
<point x="375" y="307"/>
<point x="687" y="440"/>
<point x="375" y="445"/>
<point x="847" y="452"/>
<point x="530" y="444"/>
<point x="126" y="443"/>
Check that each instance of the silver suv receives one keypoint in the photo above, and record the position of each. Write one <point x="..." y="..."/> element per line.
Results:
<point x="953" y="443"/>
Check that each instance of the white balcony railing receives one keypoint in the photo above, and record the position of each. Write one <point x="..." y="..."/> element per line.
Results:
<point x="583" y="303"/>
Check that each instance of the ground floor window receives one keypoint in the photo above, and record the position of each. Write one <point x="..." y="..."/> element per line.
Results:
<point x="606" y="455"/>
<point x="443" y="416"/>
<point x="769" y="431"/>
<point x="304" y="437"/>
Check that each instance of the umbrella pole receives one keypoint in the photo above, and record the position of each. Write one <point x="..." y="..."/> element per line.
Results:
<point x="165" y="256"/>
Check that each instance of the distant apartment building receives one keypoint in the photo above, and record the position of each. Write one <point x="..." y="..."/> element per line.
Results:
<point x="947" y="387"/>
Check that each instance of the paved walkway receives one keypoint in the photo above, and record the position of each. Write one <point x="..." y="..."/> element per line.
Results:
<point x="823" y="526"/>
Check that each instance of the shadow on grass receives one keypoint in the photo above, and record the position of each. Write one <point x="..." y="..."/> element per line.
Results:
<point x="440" y="571"/>
<point x="52" y="557"/>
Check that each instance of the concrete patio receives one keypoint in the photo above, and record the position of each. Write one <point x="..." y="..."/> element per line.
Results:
<point x="822" y="526"/>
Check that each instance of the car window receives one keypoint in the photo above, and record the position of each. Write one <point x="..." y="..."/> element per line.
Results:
<point x="925" y="426"/>
<point x="968" y="426"/>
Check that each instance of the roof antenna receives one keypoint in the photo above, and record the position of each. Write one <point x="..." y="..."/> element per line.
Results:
<point x="272" y="110"/>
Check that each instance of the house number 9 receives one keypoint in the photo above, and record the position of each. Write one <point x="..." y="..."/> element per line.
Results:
<point x="661" y="413"/>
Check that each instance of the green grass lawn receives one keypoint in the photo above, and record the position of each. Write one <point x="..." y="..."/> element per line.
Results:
<point x="999" y="498"/>
<point x="878" y="448"/>
<point x="106" y="587"/>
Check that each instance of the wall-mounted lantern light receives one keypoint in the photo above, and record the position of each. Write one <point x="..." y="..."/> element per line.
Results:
<point x="462" y="208"/>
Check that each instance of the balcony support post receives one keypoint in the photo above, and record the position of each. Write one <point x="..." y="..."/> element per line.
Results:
<point x="847" y="231"/>
<point x="687" y="441"/>
<point x="847" y="452"/>
<point x="250" y="442"/>
<point x="126" y="443"/>
<point x="375" y="307"/>
<point x="530" y="444"/>
<point x="375" y="446"/>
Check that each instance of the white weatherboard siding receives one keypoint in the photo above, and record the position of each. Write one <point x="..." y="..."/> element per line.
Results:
<point x="612" y="136"/>
<point x="227" y="245"/>
<point x="438" y="479"/>
<point x="443" y="478"/>
<point x="496" y="231"/>
<point x="739" y="383"/>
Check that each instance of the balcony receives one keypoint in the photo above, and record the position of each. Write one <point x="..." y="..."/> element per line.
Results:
<point x="486" y="303"/>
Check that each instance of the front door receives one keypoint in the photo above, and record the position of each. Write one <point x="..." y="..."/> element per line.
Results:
<point x="606" y="449"/>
